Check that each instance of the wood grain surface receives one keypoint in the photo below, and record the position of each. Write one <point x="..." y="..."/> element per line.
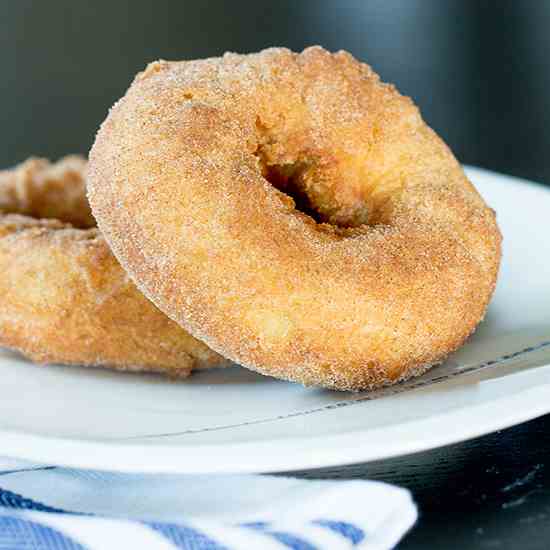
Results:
<point x="489" y="492"/>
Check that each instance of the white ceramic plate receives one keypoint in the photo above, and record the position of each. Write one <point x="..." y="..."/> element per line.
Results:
<point x="236" y="421"/>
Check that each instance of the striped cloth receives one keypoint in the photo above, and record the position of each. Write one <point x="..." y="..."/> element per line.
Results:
<point x="51" y="508"/>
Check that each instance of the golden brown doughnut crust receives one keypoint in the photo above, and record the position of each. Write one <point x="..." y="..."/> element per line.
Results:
<point x="396" y="280"/>
<point x="65" y="298"/>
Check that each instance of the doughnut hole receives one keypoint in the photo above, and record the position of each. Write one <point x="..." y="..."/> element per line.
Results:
<point x="335" y="188"/>
<point x="43" y="191"/>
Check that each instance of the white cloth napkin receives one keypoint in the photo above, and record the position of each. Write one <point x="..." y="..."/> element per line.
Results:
<point x="51" y="508"/>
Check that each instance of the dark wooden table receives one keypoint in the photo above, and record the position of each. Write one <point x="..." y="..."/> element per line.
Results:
<point x="489" y="492"/>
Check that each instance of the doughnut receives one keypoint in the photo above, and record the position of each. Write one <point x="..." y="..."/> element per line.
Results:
<point x="65" y="299"/>
<point x="296" y="214"/>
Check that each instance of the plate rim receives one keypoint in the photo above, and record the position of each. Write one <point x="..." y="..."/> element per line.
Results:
<point x="292" y="454"/>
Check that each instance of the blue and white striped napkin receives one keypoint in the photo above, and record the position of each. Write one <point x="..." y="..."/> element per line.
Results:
<point x="51" y="508"/>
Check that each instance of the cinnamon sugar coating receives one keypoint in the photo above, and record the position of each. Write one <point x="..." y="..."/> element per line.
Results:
<point x="296" y="214"/>
<point x="65" y="298"/>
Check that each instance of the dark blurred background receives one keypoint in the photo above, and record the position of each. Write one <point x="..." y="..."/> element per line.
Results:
<point x="479" y="70"/>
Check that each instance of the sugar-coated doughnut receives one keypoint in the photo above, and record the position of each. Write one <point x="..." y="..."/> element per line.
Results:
<point x="296" y="214"/>
<point x="65" y="299"/>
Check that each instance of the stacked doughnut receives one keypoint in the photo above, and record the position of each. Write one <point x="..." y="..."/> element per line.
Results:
<point x="295" y="214"/>
<point x="65" y="299"/>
